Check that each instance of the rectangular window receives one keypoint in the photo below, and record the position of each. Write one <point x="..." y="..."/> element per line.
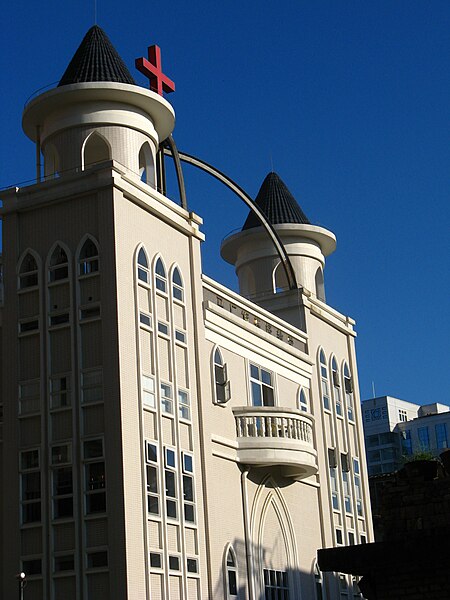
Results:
<point x="145" y="319"/>
<point x="163" y="328"/>
<point x="148" y="391"/>
<point x="32" y="566"/>
<point x="97" y="560"/>
<point x="180" y="336"/>
<point x="276" y="584"/>
<point x="174" y="563"/>
<point x="65" y="562"/>
<point x="166" y="398"/>
<point x="59" y="319"/>
<point x="402" y="415"/>
<point x="29" y="397"/>
<point x="261" y="384"/>
<point x="94" y="476"/>
<point x="155" y="560"/>
<point x="30" y="486"/>
<point x="325" y="387"/>
<point x="90" y="312"/>
<point x="441" y="435"/>
<point x="192" y="565"/>
<point x="188" y="498"/>
<point x="29" y="326"/>
<point x="92" y="386"/>
<point x="184" y="405"/>
<point x="424" y="438"/>
<point x="60" y="393"/>
<point x="151" y="457"/>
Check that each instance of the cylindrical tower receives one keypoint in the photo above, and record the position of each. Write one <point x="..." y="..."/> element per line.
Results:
<point x="98" y="113"/>
<point x="253" y="254"/>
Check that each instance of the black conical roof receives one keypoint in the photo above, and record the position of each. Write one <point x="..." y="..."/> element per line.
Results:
<point x="277" y="203"/>
<point x="96" y="60"/>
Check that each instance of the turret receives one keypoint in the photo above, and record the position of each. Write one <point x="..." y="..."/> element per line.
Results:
<point x="98" y="113"/>
<point x="258" y="266"/>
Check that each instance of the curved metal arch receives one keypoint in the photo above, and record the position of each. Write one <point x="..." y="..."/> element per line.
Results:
<point x="170" y="148"/>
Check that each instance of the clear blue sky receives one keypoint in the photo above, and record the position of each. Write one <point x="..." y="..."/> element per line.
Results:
<point x="349" y="99"/>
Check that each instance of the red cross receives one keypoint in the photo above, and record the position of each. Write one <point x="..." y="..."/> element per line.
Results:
<point x="151" y="68"/>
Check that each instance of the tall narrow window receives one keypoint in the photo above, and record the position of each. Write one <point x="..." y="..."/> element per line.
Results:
<point x="142" y="267"/>
<point x="424" y="438"/>
<point x="146" y="165"/>
<point x="333" y="478"/>
<point x="88" y="261"/>
<point x="261" y="385"/>
<point x="441" y="435"/>
<point x="348" y="386"/>
<point x="324" y="381"/>
<point x="166" y="398"/>
<point x="177" y="285"/>
<point x="231" y="574"/>
<point x="95" y="476"/>
<point x="318" y="583"/>
<point x="184" y="405"/>
<point x="280" y="282"/>
<point x="61" y="460"/>
<point x="59" y="265"/>
<point x="188" y="488"/>
<point x="171" y="483"/>
<point x="320" y="288"/>
<point x="160" y="276"/>
<point x="221" y="383"/>
<point x="406" y="442"/>
<point x="28" y="272"/>
<point x="336" y="387"/>
<point x="303" y="403"/>
<point x="30" y="480"/>
<point x="151" y="459"/>
<point x="357" y="480"/>
<point x="346" y="483"/>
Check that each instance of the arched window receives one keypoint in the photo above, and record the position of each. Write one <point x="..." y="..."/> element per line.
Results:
<point x="231" y="574"/>
<point x="318" y="583"/>
<point x="303" y="403"/>
<point x="28" y="272"/>
<point x="336" y="386"/>
<point x="146" y="165"/>
<point x="88" y="260"/>
<point x="324" y="381"/>
<point x="96" y="150"/>
<point x="280" y="282"/>
<point x="320" y="288"/>
<point x="59" y="266"/>
<point x="348" y="387"/>
<point x="142" y="266"/>
<point x="161" y="277"/>
<point x="221" y="383"/>
<point x="177" y="285"/>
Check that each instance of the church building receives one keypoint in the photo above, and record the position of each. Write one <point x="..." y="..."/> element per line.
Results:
<point x="161" y="436"/>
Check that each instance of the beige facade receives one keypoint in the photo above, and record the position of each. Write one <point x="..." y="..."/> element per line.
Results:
<point x="163" y="437"/>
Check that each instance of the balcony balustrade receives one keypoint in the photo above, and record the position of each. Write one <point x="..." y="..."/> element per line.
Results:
<point x="275" y="436"/>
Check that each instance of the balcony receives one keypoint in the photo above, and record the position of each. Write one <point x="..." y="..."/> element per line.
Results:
<point x="273" y="436"/>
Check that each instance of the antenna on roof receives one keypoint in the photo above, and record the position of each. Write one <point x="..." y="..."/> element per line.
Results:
<point x="271" y="163"/>
<point x="95" y="12"/>
<point x="373" y="389"/>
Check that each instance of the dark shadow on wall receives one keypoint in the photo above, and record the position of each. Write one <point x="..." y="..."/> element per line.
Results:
<point x="291" y="584"/>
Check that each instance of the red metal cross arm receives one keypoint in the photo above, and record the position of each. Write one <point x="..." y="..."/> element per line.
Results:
<point x="151" y="68"/>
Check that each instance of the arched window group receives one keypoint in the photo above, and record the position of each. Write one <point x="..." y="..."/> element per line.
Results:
<point x="28" y="272"/>
<point x="59" y="265"/>
<point x="340" y="385"/>
<point x="88" y="258"/>
<point x="160" y="276"/>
